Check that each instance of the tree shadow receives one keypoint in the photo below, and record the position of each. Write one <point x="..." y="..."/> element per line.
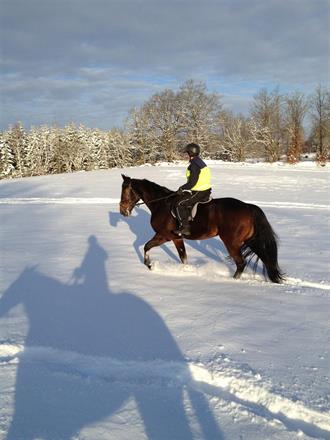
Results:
<point x="88" y="351"/>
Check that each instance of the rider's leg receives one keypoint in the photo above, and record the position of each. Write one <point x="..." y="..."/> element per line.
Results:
<point x="183" y="209"/>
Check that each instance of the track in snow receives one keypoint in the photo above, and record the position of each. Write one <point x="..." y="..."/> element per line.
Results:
<point x="110" y="201"/>
<point x="221" y="380"/>
<point x="215" y="273"/>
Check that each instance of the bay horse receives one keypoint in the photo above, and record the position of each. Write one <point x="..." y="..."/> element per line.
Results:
<point x="243" y="227"/>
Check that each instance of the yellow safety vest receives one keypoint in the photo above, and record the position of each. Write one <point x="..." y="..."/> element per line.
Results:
<point x="204" y="179"/>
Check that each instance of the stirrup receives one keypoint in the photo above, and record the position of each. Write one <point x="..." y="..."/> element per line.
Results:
<point x="183" y="230"/>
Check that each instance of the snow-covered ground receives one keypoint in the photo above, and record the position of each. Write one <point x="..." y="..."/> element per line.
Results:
<point x="94" y="346"/>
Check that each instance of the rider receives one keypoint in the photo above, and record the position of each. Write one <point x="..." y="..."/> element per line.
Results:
<point x="197" y="188"/>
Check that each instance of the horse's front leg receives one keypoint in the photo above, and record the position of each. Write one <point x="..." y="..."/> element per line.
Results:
<point x="179" y="244"/>
<point x="157" y="240"/>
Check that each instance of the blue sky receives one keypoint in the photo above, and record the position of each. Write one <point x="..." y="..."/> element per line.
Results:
<point x="91" y="61"/>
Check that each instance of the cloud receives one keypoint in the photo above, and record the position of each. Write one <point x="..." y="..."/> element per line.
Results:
<point x="83" y="57"/>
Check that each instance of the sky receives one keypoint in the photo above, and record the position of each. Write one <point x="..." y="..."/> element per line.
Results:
<point x="92" y="61"/>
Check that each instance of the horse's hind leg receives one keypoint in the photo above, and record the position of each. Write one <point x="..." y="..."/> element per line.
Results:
<point x="179" y="244"/>
<point x="157" y="240"/>
<point x="236" y="254"/>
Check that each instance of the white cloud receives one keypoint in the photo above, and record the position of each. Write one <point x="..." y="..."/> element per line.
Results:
<point x="74" y="53"/>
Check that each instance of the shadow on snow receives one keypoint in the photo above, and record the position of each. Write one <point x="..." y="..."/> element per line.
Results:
<point x="85" y="317"/>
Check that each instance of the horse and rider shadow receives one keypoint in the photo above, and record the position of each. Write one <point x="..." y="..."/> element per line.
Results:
<point x="139" y="225"/>
<point x="83" y="322"/>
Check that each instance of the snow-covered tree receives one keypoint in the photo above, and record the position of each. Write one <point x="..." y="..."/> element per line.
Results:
<point x="198" y="113"/>
<point x="72" y="153"/>
<point x="142" y="137"/>
<point x="34" y="159"/>
<point x="7" y="160"/>
<point x="42" y="145"/>
<point x="98" y="149"/>
<point x="235" y="138"/>
<point x="267" y="124"/>
<point x="16" y="138"/>
<point x="120" y="153"/>
<point x="165" y="123"/>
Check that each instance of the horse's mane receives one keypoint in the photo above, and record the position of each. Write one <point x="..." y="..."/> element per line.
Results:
<point x="152" y="186"/>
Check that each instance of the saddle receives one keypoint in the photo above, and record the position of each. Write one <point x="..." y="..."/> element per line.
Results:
<point x="193" y="209"/>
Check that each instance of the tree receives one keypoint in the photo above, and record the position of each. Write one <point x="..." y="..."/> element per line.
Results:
<point x="16" y="139"/>
<point x="142" y="136"/>
<point x="165" y="124"/>
<point x="97" y="147"/>
<point x="296" y="107"/>
<point x="119" y="148"/>
<point x="320" y="111"/>
<point x="7" y="160"/>
<point x="72" y="153"/>
<point x="198" y="113"/>
<point x="235" y="137"/>
<point x="169" y="119"/>
<point x="41" y="144"/>
<point x="266" y="123"/>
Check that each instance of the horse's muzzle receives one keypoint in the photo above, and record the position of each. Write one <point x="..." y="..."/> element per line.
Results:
<point x="124" y="210"/>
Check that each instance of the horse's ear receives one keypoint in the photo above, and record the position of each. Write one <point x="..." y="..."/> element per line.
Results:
<point x="125" y="178"/>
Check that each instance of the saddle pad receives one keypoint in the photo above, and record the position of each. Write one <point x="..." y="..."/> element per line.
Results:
<point x="193" y="210"/>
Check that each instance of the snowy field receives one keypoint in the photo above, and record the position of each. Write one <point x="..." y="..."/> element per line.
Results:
<point x="94" y="346"/>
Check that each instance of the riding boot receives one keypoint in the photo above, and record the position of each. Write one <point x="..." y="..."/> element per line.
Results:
<point x="183" y="218"/>
<point x="183" y="229"/>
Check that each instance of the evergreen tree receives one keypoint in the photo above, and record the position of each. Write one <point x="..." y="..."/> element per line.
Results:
<point x="16" y="138"/>
<point x="7" y="160"/>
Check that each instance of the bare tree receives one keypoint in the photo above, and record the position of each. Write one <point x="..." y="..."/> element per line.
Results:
<point x="199" y="111"/>
<point x="168" y="120"/>
<point x="266" y="124"/>
<point x="165" y="122"/>
<point x="236" y="137"/>
<point x="143" y="145"/>
<point x="320" y="111"/>
<point x="296" y="107"/>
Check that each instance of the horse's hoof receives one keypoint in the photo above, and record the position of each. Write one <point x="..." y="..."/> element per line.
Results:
<point x="149" y="265"/>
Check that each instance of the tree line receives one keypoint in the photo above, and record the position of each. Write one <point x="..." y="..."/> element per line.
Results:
<point x="161" y="126"/>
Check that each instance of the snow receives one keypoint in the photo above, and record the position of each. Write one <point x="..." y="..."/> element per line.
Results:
<point x="95" y="346"/>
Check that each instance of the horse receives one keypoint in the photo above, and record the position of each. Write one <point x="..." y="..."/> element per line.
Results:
<point x="243" y="227"/>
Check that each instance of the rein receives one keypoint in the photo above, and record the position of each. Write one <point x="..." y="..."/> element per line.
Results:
<point x="156" y="200"/>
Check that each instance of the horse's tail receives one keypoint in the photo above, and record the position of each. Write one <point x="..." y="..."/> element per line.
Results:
<point x="263" y="244"/>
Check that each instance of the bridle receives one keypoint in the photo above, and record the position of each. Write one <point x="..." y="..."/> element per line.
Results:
<point x="155" y="200"/>
<point x="150" y="201"/>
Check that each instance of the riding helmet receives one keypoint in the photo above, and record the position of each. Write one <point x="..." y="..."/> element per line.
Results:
<point x="192" y="149"/>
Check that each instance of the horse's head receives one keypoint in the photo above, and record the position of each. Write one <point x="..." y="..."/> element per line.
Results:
<point x="128" y="198"/>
